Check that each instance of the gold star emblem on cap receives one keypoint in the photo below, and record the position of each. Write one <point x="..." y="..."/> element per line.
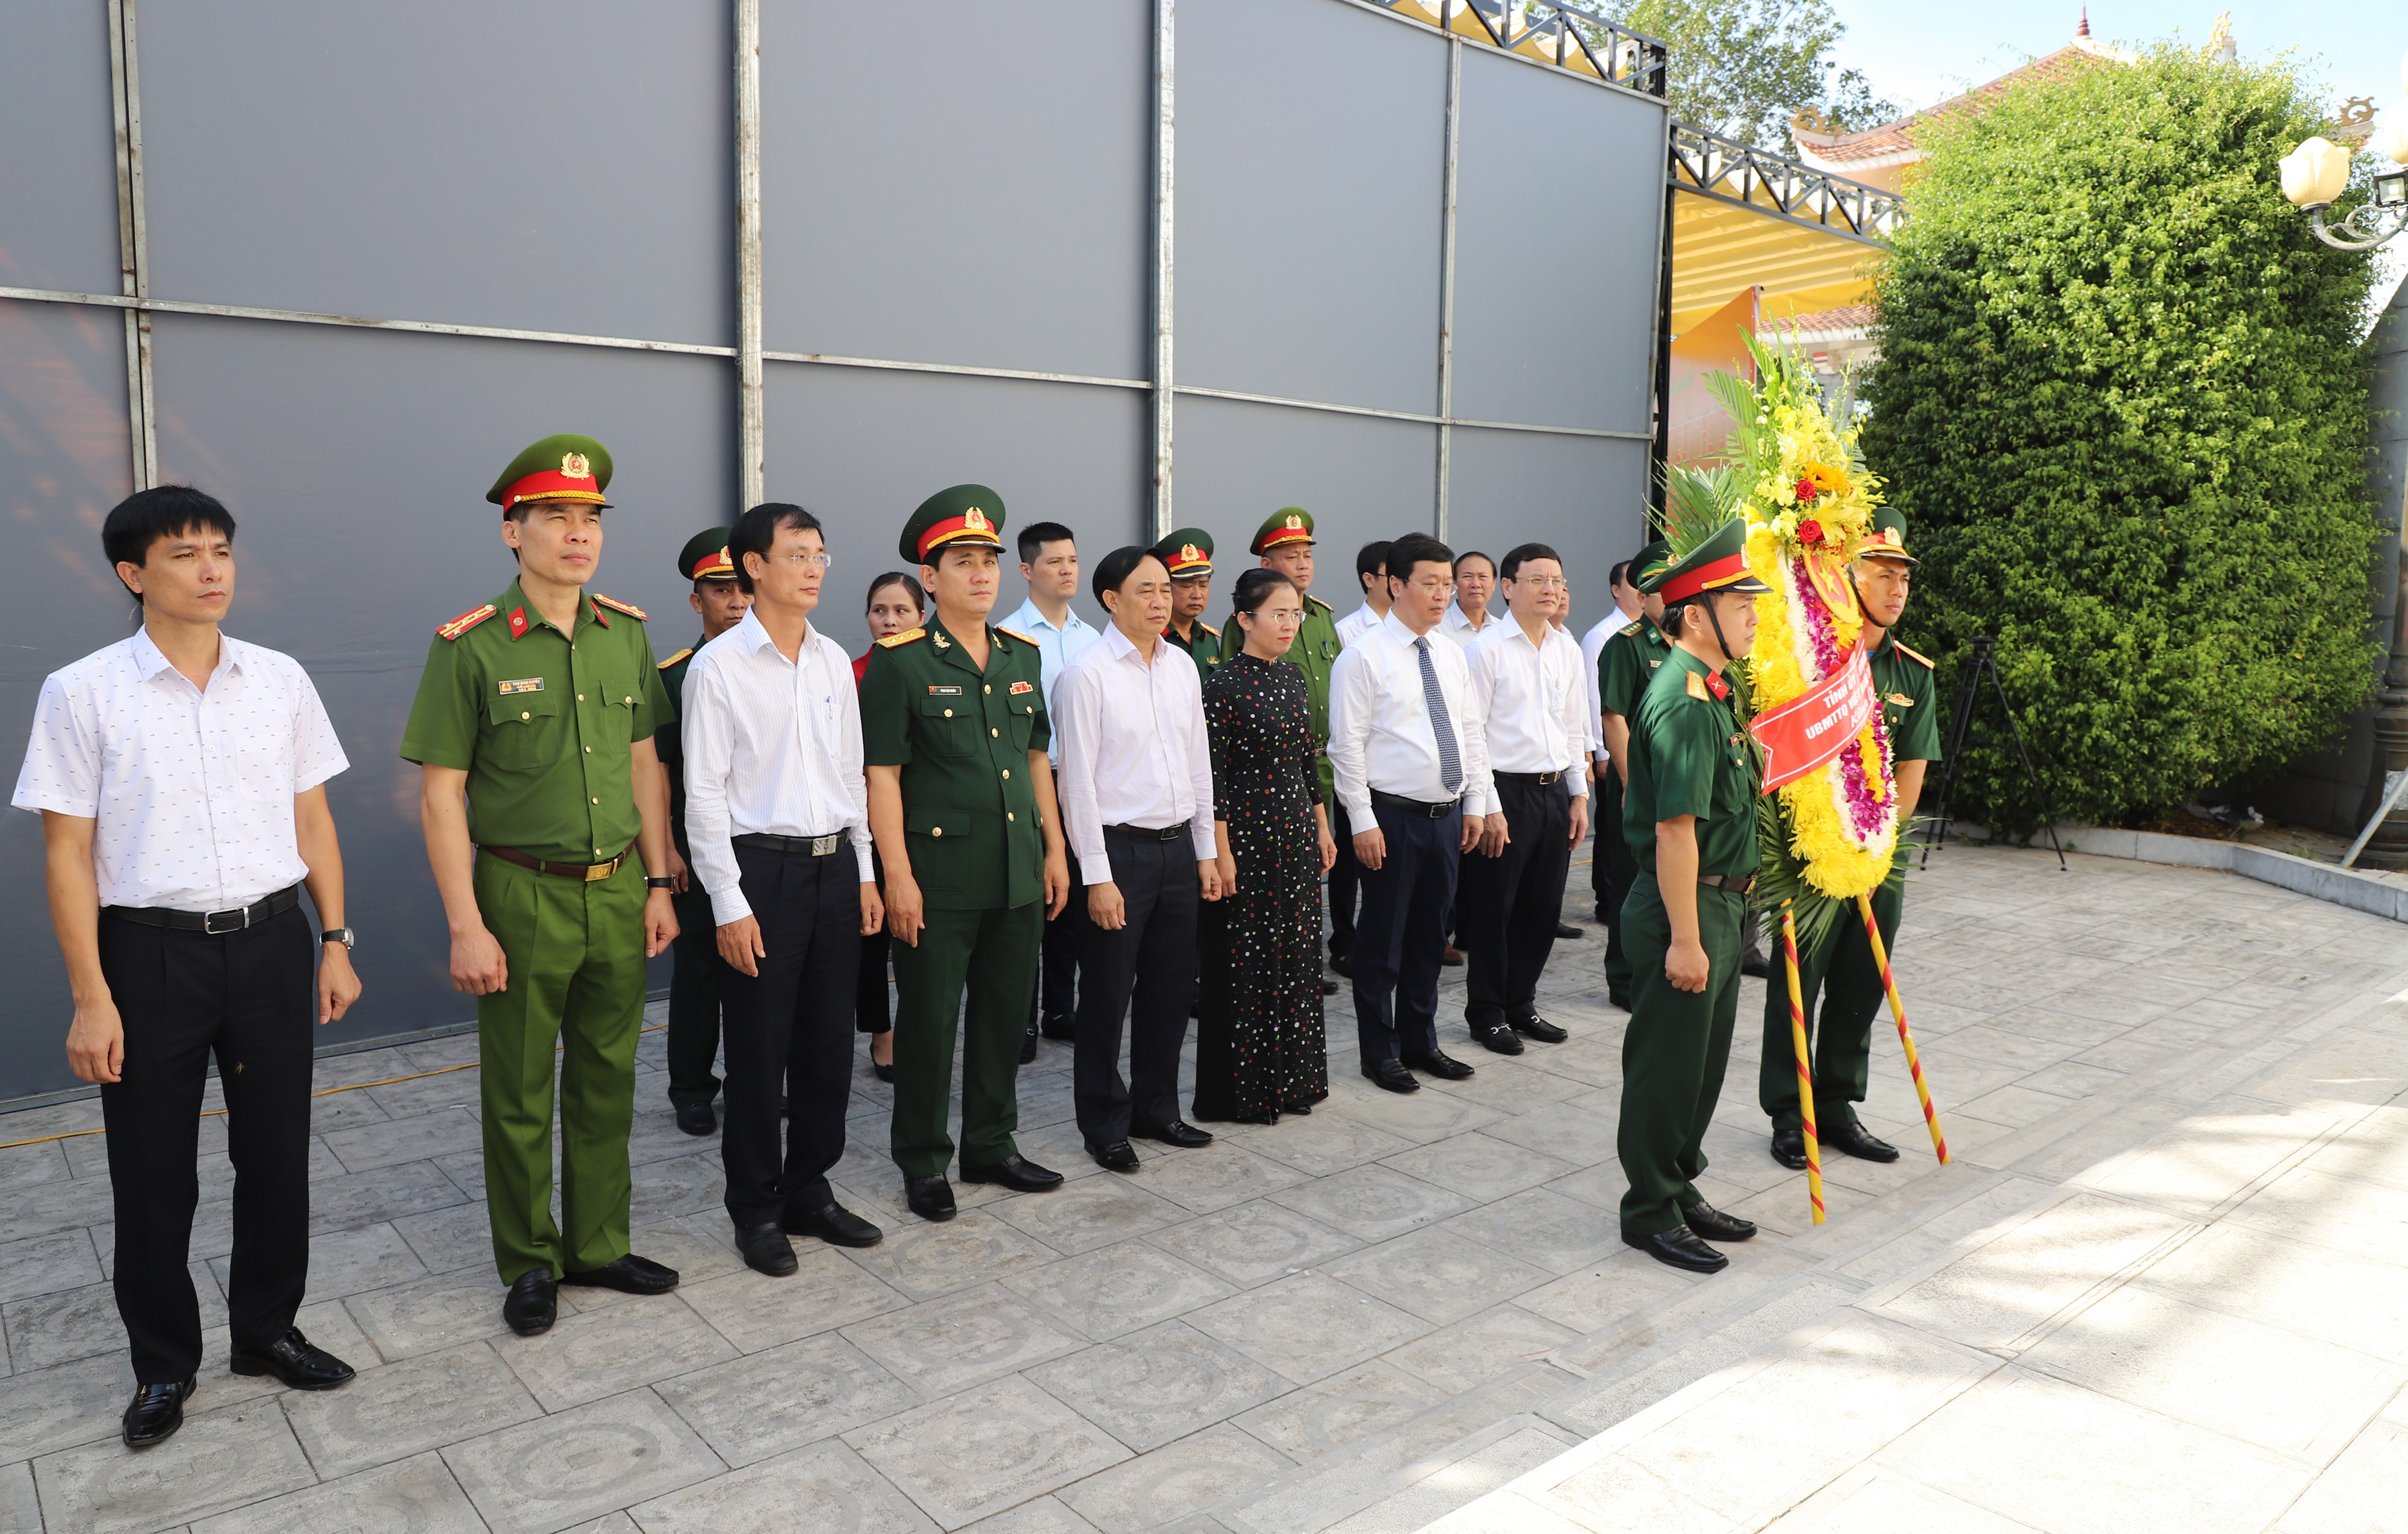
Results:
<point x="574" y="467"/>
<point x="1296" y="523"/>
<point x="976" y="520"/>
<point x="1189" y="554"/>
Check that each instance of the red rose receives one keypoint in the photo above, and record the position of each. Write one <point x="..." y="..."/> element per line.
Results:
<point x="1810" y="531"/>
<point x="1806" y="492"/>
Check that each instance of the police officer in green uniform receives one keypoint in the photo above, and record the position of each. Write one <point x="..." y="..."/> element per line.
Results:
<point x="694" y="984"/>
<point x="961" y="801"/>
<point x="539" y="707"/>
<point x="1187" y="554"/>
<point x="1842" y="965"/>
<point x="1689" y="812"/>
<point x="1284" y="542"/>
<point x="1630" y="657"/>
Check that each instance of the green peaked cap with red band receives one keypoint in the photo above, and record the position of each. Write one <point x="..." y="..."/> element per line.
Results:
<point x="1718" y="563"/>
<point x="705" y="556"/>
<point x="567" y="467"/>
<point x="1887" y="538"/>
<point x="959" y="517"/>
<point x="1285" y="526"/>
<point x="1187" y="553"/>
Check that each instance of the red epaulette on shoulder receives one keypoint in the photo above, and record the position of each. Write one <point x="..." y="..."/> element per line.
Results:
<point x="617" y="606"/>
<point x="466" y="621"/>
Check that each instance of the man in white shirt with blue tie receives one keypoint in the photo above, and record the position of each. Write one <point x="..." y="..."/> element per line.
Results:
<point x="777" y="818"/>
<point x="1407" y="746"/>
<point x="1049" y="563"/>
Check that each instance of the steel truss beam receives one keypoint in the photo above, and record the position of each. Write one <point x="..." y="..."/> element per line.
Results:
<point x="1707" y="164"/>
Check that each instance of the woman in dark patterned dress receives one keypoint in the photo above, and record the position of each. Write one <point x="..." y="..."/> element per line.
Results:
<point x="1259" y="1047"/>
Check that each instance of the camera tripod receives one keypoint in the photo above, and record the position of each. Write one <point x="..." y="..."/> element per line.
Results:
<point x="1984" y="663"/>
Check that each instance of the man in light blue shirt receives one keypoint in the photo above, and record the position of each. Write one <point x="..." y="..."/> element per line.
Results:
<point x="1049" y="563"/>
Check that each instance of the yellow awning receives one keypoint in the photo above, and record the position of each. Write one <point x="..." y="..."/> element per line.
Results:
<point x="1718" y="248"/>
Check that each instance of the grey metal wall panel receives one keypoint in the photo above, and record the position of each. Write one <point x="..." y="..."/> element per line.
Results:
<point x="57" y="178"/>
<point x="1586" y="496"/>
<point x="1311" y="182"/>
<point x="961" y="183"/>
<point x="546" y="164"/>
<point x="862" y="447"/>
<point x="1557" y="194"/>
<point x="64" y="462"/>
<point x="1362" y="478"/>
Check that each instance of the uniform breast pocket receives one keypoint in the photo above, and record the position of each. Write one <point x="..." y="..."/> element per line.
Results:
<point x="520" y="728"/>
<point x="1023" y="723"/>
<point x="949" y="726"/>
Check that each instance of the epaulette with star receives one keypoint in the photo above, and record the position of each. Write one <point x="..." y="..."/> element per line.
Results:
<point x="1208" y="629"/>
<point x="617" y="606"/>
<point x="1316" y="602"/>
<point x="1017" y="634"/>
<point x="475" y="615"/>
<point x="675" y="658"/>
<point x="904" y="638"/>
<point x="1912" y="656"/>
<point x="1629" y="628"/>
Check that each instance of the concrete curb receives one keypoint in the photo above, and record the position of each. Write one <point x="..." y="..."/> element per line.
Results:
<point x="2319" y="881"/>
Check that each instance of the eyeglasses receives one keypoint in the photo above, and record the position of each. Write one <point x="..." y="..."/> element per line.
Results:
<point x="807" y="560"/>
<point x="1543" y="582"/>
<point x="1433" y="588"/>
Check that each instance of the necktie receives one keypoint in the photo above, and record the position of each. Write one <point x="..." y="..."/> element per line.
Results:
<point x="1450" y="766"/>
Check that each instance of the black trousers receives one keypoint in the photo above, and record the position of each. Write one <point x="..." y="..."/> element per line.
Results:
<point x="1057" y="991"/>
<point x="1145" y="972"/>
<point x="1345" y="878"/>
<point x="694" y="998"/>
<point x="249" y="999"/>
<point x="789" y="1032"/>
<point x="1610" y="850"/>
<point x="1400" y="937"/>
<point x="1509" y="904"/>
<point x="869" y="1009"/>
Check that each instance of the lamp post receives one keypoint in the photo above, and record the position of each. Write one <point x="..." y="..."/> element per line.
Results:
<point x="2318" y="172"/>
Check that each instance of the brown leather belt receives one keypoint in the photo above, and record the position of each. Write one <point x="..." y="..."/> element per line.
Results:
<point x="1738" y="884"/>
<point x="588" y="872"/>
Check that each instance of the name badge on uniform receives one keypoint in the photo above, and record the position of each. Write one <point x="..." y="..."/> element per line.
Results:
<point x="524" y="683"/>
<point x="944" y="692"/>
<point x="1018" y="688"/>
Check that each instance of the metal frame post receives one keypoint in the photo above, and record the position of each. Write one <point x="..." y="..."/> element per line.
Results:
<point x="752" y="452"/>
<point x="1446" y="272"/>
<point x="132" y="241"/>
<point x="1165" y="38"/>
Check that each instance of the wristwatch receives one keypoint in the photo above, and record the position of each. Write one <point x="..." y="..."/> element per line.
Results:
<point x="339" y="935"/>
<point x="660" y="884"/>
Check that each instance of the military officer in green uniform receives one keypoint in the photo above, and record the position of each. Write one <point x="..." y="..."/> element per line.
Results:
<point x="961" y="802"/>
<point x="1842" y="965"/>
<point x="1284" y="542"/>
<point x="694" y="984"/>
<point x="541" y="796"/>
<point x="1630" y="658"/>
<point x="1187" y="554"/>
<point x="1689" y="812"/>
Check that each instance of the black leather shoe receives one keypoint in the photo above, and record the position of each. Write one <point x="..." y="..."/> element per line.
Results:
<point x="833" y="1224"/>
<point x="155" y="1413"/>
<point x="1539" y="1029"/>
<point x="1497" y="1036"/>
<point x="697" y="1117"/>
<point x="1392" y="1075"/>
<point x="930" y="1198"/>
<point x="1270" y="1116"/>
<point x="1343" y="964"/>
<point x="1305" y="1109"/>
<point x="1028" y="1046"/>
<point x="1618" y="1000"/>
<point x="630" y="1274"/>
<point x="766" y="1249"/>
<point x="1120" y="1156"/>
<point x="294" y="1361"/>
<point x="533" y="1304"/>
<point x="1752" y="962"/>
<point x="1789" y="1148"/>
<point x="1329" y="987"/>
<point x="883" y="1073"/>
<point x="1705" y="1220"/>
<point x="1175" y="1134"/>
<point x="1566" y="929"/>
<point x="1679" y="1248"/>
<point x="1438" y="1063"/>
<point x="1450" y="955"/>
<point x="1854" y="1139"/>
<point x="1016" y="1172"/>
<point x="1056" y="1025"/>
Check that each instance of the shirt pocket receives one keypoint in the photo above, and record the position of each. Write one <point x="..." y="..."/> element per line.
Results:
<point x="521" y="729"/>
<point x="617" y="719"/>
<point x="938" y="825"/>
<point x="1024" y="715"/>
<point x="949" y="725"/>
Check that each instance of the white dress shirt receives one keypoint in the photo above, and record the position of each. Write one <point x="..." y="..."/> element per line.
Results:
<point x="190" y="789"/>
<point x="1379" y="731"/>
<point x="1591" y="646"/>
<point x="1133" y="751"/>
<point x="1456" y="625"/>
<point x="771" y="747"/>
<point x="1056" y="648"/>
<point x="1531" y="698"/>
<point x="1354" y="623"/>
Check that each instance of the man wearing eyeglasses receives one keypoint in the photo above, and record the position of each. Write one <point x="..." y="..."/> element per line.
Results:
<point x="778" y="818"/>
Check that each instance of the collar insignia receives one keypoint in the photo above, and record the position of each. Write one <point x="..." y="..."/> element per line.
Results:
<point x="518" y="622"/>
<point x="1716" y="685"/>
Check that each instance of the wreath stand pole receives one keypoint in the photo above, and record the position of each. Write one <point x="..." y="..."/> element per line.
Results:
<point x="1805" y="1070"/>
<point x="1898" y="1013"/>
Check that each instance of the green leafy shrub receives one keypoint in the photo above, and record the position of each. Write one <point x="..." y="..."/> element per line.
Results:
<point x="2121" y="402"/>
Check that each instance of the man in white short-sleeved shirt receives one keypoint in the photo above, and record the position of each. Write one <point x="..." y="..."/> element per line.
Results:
<point x="180" y="776"/>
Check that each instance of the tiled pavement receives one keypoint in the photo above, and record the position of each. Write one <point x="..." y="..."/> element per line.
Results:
<point x="1360" y="1320"/>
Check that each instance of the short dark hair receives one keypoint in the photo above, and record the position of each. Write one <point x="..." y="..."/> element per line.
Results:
<point x="1614" y="576"/>
<point x="898" y="578"/>
<point x="1254" y="587"/>
<point x="1417" y="548"/>
<point x="1473" y="554"/>
<point x="162" y="511"/>
<point x="1114" y="569"/>
<point x="1035" y="535"/>
<point x="1372" y="559"/>
<point x="757" y="529"/>
<point x="1521" y="554"/>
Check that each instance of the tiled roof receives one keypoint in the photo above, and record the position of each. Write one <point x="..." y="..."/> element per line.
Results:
<point x="1897" y="138"/>
<point x="1846" y="317"/>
